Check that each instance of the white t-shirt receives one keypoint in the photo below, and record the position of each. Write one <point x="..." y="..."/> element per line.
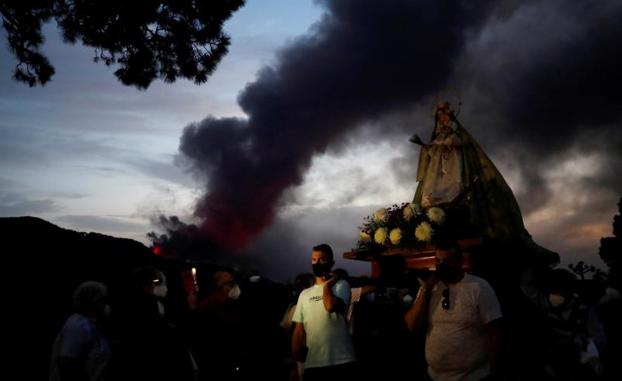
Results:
<point x="80" y="339"/>
<point x="455" y="347"/>
<point x="328" y="339"/>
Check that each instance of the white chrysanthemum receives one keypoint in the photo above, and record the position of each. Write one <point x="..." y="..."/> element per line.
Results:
<point x="424" y="232"/>
<point x="380" y="236"/>
<point x="380" y="215"/>
<point x="395" y="236"/>
<point x="437" y="215"/>
<point x="365" y="237"/>
<point x="408" y="212"/>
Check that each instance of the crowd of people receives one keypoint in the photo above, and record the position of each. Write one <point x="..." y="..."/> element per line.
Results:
<point x="325" y="325"/>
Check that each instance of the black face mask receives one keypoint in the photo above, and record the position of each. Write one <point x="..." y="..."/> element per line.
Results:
<point x="446" y="273"/>
<point x="320" y="269"/>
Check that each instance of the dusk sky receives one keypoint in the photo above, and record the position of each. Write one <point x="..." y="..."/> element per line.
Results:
<point x="539" y="82"/>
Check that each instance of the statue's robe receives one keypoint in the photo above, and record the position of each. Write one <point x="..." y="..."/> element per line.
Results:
<point x="463" y="175"/>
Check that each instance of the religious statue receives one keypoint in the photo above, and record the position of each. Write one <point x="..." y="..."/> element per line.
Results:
<point x="454" y="171"/>
<point x="440" y="170"/>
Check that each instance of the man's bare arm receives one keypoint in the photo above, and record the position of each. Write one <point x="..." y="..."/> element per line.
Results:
<point x="331" y="302"/>
<point x="417" y="315"/>
<point x="299" y="342"/>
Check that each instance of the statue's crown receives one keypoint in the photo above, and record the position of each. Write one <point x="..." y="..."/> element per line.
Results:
<point x="443" y="106"/>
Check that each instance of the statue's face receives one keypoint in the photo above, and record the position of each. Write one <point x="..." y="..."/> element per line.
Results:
<point x="444" y="119"/>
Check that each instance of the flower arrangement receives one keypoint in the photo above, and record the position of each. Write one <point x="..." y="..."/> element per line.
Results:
<point x="380" y="236"/>
<point x="404" y="225"/>
<point x="436" y="214"/>
<point x="395" y="236"/>
<point x="424" y="232"/>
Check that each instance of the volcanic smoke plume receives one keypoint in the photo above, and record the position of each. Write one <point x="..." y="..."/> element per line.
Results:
<point x="363" y="59"/>
<point x="541" y="81"/>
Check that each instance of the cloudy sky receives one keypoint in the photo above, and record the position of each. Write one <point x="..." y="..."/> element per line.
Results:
<point x="319" y="100"/>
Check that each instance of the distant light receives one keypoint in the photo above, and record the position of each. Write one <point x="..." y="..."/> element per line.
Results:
<point x="195" y="283"/>
<point x="157" y="250"/>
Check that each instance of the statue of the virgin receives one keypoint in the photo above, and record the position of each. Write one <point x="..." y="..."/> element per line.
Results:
<point x="454" y="171"/>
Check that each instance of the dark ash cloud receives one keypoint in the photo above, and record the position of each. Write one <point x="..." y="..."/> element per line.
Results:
<point x="539" y="82"/>
<point x="362" y="60"/>
<point x="543" y="84"/>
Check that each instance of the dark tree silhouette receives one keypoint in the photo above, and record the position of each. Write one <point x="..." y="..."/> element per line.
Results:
<point x="611" y="250"/>
<point x="581" y="269"/>
<point x="163" y="39"/>
<point x="611" y="247"/>
<point x="617" y="221"/>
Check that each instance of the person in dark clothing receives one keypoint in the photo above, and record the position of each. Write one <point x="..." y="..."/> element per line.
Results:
<point x="216" y="327"/>
<point x="81" y="351"/>
<point x="152" y="347"/>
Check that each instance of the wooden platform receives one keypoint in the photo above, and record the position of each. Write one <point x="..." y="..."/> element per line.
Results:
<point x="416" y="258"/>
